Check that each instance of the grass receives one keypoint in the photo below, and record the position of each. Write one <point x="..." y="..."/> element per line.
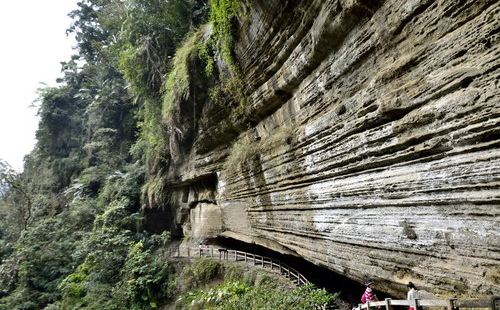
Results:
<point x="241" y="152"/>
<point x="245" y="149"/>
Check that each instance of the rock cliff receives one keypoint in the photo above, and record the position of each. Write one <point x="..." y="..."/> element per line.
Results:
<point x="369" y="142"/>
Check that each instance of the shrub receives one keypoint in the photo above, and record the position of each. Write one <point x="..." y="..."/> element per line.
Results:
<point x="201" y="272"/>
<point x="234" y="295"/>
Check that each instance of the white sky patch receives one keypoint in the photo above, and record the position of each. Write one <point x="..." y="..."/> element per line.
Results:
<point x="34" y="42"/>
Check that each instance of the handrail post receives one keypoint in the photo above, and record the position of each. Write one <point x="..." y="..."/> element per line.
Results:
<point x="451" y="304"/>
<point x="367" y="305"/>
<point x="212" y="252"/>
<point x="388" y="304"/>
<point x="188" y="253"/>
<point x="245" y="257"/>
<point x="360" y="306"/>
<point x="262" y="261"/>
<point x="494" y="302"/>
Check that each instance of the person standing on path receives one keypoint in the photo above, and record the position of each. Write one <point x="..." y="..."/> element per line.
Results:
<point x="368" y="295"/>
<point x="412" y="293"/>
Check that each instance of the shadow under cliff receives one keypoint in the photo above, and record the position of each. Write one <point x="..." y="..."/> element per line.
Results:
<point x="350" y="291"/>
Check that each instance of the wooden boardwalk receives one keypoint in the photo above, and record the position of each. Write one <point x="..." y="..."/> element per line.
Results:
<point x="251" y="259"/>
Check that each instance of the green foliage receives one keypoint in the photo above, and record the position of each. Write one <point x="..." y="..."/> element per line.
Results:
<point x="200" y="272"/>
<point x="234" y="295"/>
<point x="152" y="145"/>
<point x="95" y="24"/>
<point x="60" y="124"/>
<point x="215" y="298"/>
<point x="43" y="257"/>
<point x="8" y="177"/>
<point x="150" y="33"/>
<point x="126" y="184"/>
<point x="126" y="273"/>
<point x="242" y="151"/>
<point x="200" y="287"/>
<point x="103" y="254"/>
<point x="222" y="15"/>
<point x="147" y="42"/>
<point x="86" y="124"/>
<point x="119" y="269"/>
<point x="73" y="286"/>
<point x="154" y="191"/>
<point x="177" y="81"/>
<point x="206" y="53"/>
<point x="146" y="280"/>
<point x="16" y="202"/>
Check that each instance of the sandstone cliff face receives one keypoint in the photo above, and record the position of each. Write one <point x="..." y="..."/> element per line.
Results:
<point x="370" y="143"/>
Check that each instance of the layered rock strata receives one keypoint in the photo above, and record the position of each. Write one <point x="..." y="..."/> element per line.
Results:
<point x="370" y="143"/>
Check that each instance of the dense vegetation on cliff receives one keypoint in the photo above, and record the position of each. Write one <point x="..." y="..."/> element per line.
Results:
<point x="72" y="234"/>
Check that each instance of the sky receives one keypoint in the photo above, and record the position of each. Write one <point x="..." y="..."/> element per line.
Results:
<point x="33" y="43"/>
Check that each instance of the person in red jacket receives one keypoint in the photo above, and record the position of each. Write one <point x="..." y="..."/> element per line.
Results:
<point x="368" y="295"/>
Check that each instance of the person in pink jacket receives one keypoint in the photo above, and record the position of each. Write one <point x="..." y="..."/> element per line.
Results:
<point x="368" y="295"/>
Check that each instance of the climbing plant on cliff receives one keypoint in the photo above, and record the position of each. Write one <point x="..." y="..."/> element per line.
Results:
<point x="224" y="16"/>
<point x="177" y="80"/>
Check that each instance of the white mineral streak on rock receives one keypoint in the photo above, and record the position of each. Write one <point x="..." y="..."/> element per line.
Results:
<point x="221" y="185"/>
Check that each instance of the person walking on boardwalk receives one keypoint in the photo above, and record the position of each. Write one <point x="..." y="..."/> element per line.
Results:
<point x="368" y="295"/>
<point x="412" y="293"/>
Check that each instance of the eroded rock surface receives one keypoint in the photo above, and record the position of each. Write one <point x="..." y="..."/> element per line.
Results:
<point x="374" y="140"/>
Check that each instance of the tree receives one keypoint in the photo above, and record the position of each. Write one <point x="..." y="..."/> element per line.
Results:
<point x="15" y="192"/>
<point x="7" y="175"/>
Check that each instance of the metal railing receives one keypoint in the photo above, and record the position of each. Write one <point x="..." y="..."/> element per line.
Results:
<point x="296" y="277"/>
<point x="492" y="302"/>
<point x="240" y="256"/>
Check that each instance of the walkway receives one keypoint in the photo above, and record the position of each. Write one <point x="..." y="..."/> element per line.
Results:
<point x="223" y="254"/>
<point x="492" y="302"/>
